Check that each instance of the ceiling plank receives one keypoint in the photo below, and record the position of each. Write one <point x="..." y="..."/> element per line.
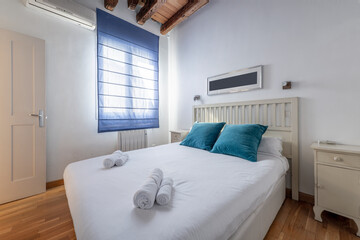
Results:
<point x="185" y="12"/>
<point x="132" y="4"/>
<point x="177" y="3"/>
<point x="159" y="18"/>
<point x="167" y="10"/>
<point x="149" y="9"/>
<point x="141" y="3"/>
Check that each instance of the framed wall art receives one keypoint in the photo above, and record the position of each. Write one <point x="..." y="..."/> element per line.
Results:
<point x="236" y="81"/>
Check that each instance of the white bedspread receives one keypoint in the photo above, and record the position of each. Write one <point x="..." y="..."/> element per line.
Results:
<point x="213" y="194"/>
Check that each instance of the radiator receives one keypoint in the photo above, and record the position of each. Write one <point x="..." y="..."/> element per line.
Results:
<point x="132" y="140"/>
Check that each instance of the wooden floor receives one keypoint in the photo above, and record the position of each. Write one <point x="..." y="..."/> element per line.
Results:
<point x="295" y="221"/>
<point x="47" y="216"/>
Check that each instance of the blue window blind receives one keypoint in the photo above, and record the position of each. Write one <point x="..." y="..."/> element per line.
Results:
<point x="127" y="57"/>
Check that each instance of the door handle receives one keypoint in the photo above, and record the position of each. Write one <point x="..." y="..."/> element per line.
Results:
<point x="40" y="116"/>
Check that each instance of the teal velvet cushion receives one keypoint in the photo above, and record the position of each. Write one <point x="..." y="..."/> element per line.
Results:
<point x="203" y="135"/>
<point x="240" y="141"/>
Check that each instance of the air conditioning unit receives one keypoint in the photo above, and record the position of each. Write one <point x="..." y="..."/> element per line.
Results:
<point x="67" y="10"/>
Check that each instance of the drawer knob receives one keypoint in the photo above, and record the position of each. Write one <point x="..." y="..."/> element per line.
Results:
<point x="338" y="159"/>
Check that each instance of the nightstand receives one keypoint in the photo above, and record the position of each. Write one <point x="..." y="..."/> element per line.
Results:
<point x="178" y="135"/>
<point x="337" y="181"/>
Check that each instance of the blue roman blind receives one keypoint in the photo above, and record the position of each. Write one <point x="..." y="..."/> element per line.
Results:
<point x="128" y="74"/>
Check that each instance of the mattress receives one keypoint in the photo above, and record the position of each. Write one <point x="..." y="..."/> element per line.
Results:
<point x="213" y="194"/>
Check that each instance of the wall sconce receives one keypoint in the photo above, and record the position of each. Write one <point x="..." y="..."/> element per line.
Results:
<point x="196" y="98"/>
<point x="286" y="85"/>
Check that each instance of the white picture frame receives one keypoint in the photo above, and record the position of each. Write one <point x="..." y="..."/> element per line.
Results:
<point x="237" y="81"/>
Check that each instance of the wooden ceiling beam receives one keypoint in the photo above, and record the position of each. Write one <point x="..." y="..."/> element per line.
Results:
<point x="185" y="12"/>
<point x="149" y="9"/>
<point x="110" y="4"/>
<point x="132" y="4"/>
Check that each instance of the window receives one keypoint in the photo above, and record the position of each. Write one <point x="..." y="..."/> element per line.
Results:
<point x="128" y="95"/>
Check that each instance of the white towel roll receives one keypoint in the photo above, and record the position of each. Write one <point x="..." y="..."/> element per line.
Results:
<point x="118" y="152"/>
<point x="121" y="159"/>
<point x="163" y="196"/>
<point x="109" y="162"/>
<point x="157" y="175"/>
<point x="118" y="158"/>
<point x="144" y="198"/>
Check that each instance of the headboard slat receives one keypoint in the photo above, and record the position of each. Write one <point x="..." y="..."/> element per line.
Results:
<point x="242" y="115"/>
<point x="283" y="114"/>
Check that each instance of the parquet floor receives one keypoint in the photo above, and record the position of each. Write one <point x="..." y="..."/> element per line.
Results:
<point x="44" y="216"/>
<point x="47" y="216"/>
<point x="295" y="221"/>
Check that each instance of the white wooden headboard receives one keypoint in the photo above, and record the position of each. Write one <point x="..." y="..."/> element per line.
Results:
<point x="281" y="115"/>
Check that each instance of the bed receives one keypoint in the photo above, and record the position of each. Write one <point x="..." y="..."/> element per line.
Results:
<point x="215" y="196"/>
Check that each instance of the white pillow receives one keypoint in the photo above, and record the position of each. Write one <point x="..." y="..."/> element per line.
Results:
<point x="272" y="145"/>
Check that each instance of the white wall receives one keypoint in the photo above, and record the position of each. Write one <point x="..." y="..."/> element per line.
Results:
<point x="71" y="81"/>
<point x="314" y="43"/>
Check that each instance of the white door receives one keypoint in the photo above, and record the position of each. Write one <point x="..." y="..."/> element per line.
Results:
<point x="22" y="131"/>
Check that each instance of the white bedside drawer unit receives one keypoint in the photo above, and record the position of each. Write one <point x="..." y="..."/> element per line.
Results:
<point x="343" y="159"/>
<point x="337" y="181"/>
<point x="178" y="135"/>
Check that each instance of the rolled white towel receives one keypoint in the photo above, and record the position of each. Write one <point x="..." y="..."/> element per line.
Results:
<point x="157" y="175"/>
<point x="163" y="196"/>
<point x="117" y="158"/>
<point x="109" y="162"/>
<point x="144" y="198"/>
<point x="121" y="159"/>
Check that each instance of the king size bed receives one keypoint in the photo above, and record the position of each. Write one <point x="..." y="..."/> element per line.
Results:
<point x="215" y="196"/>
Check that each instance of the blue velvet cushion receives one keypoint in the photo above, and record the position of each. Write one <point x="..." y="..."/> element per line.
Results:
<point x="203" y="135"/>
<point x="240" y="141"/>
